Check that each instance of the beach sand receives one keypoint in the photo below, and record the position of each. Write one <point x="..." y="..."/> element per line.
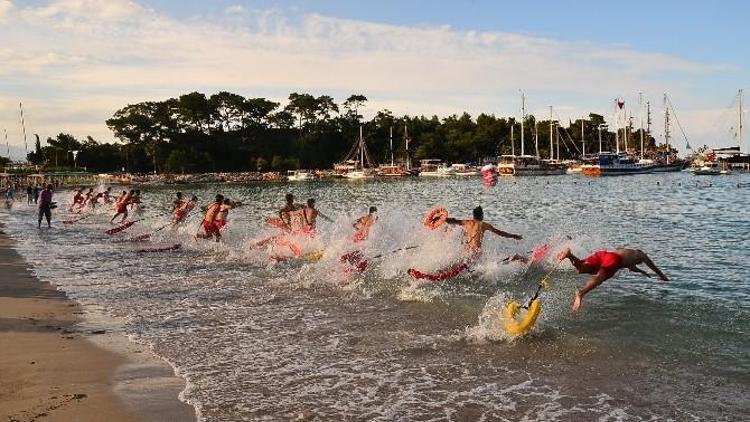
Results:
<point x="54" y="368"/>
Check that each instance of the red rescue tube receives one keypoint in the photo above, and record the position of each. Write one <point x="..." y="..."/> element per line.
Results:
<point x="118" y="229"/>
<point x="435" y="218"/>
<point x="276" y="222"/>
<point x="449" y="272"/>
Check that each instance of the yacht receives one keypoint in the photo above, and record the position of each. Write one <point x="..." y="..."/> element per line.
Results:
<point x="614" y="164"/>
<point x="528" y="165"/>
<point x="299" y="175"/>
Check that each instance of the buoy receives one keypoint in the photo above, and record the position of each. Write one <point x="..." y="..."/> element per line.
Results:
<point x="435" y="218"/>
<point x="514" y="324"/>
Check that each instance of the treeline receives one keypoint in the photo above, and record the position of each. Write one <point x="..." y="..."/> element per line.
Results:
<point x="229" y="132"/>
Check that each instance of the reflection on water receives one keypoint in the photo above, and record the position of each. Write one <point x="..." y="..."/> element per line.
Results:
<point x="258" y="339"/>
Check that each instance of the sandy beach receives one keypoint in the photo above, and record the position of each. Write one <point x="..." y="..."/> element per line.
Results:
<point x="56" y="369"/>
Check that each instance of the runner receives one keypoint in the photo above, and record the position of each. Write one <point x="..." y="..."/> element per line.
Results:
<point x="604" y="264"/>
<point x="223" y="213"/>
<point x="210" y="228"/>
<point x="90" y="198"/>
<point x="78" y="199"/>
<point x="178" y="202"/>
<point x="180" y="213"/>
<point x="363" y="225"/>
<point x="37" y="190"/>
<point x="474" y="232"/>
<point x="291" y="215"/>
<point x="310" y="214"/>
<point x="121" y="206"/>
<point x="107" y="195"/>
<point x="45" y="206"/>
<point x="29" y="194"/>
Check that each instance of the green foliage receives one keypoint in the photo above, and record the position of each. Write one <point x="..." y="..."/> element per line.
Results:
<point x="228" y="132"/>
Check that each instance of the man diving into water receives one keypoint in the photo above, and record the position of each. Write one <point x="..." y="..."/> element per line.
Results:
<point x="474" y="231"/>
<point x="604" y="264"/>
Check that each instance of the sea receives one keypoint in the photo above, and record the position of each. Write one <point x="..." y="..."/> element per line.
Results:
<point x="261" y="334"/>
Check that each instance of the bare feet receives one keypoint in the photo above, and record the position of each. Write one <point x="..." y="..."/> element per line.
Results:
<point x="563" y="254"/>
<point x="577" y="301"/>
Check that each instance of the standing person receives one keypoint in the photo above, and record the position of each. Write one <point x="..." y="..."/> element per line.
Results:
<point x="121" y="206"/>
<point x="210" y="228"/>
<point x="37" y="191"/>
<point x="310" y="213"/>
<point x="363" y="225"/>
<point x="474" y="231"/>
<point x="604" y="264"/>
<point x="29" y="194"/>
<point x="45" y="206"/>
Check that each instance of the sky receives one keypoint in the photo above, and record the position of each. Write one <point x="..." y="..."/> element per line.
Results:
<point x="73" y="63"/>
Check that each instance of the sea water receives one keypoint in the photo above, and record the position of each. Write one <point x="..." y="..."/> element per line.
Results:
<point x="259" y="338"/>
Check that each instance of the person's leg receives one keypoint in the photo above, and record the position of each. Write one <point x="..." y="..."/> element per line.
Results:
<point x="48" y="215"/>
<point x="40" y="218"/>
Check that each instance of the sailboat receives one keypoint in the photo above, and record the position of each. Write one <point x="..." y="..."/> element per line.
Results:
<point x="357" y="164"/>
<point x="725" y="160"/>
<point x="394" y="170"/>
<point x="669" y="163"/>
<point x="528" y="165"/>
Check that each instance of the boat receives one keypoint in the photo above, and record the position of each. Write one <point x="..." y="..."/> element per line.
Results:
<point x="706" y="168"/>
<point x="357" y="165"/>
<point x="615" y="164"/>
<point x="667" y="162"/>
<point x="299" y="175"/>
<point x="394" y="170"/>
<point x="528" y="165"/>
<point x="465" y="170"/>
<point x="432" y="167"/>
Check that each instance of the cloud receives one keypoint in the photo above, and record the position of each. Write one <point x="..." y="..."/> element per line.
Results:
<point x="78" y="61"/>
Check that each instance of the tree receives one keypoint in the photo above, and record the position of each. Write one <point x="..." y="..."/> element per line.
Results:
<point x="353" y="104"/>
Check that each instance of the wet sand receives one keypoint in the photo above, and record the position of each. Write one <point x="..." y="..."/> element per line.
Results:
<point x="54" y="368"/>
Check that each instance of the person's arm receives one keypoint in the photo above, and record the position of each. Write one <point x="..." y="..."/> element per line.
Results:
<point x="498" y="232"/>
<point x="454" y="221"/>
<point x="325" y="217"/>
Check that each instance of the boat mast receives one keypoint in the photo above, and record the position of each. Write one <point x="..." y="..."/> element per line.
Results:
<point x="557" y="136"/>
<point x="406" y="142"/>
<point x="361" y="149"/>
<point x="666" y="124"/>
<point x="551" y="125"/>
<point x="23" y="127"/>
<point x="391" y="139"/>
<point x="512" y="140"/>
<point x="640" y="115"/>
<point x="583" y="139"/>
<point x="7" y="146"/>
<point x="617" y="127"/>
<point x="599" y="129"/>
<point x="523" y="117"/>
<point x="536" y="138"/>
<point x="739" y="124"/>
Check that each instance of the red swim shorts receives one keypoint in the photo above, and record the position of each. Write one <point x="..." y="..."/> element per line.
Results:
<point x="609" y="262"/>
<point x="210" y="227"/>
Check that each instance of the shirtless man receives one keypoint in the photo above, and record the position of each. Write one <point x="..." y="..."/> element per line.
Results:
<point x="310" y="213"/>
<point x="474" y="231"/>
<point x="77" y="200"/>
<point x="121" y="206"/>
<point x="210" y="228"/>
<point x="223" y="213"/>
<point x="291" y="214"/>
<point x="90" y="198"/>
<point x="182" y="211"/>
<point x="604" y="264"/>
<point x="363" y="225"/>
<point x="106" y="195"/>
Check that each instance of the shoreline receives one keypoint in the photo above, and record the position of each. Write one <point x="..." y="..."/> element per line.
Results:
<point x="58" y="365"/>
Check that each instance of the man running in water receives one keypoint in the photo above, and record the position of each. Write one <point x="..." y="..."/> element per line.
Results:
<point x="182" y="211"/>
<point x="291" y="214"/>
<point x="90" y="198"/>
<point x="106" y="195"/>
<point x="210" y="228"/>
<point x="474" y="231"/>
<point x="121" y="207"/>
<point x="310" y="213"/>
<point x="363" y="225"/>
<point x="223" y="213"/>
<point x="604" y="264"/>
<point x="77" y="200"/>
<point x="45" y="206"/>
<point x="178" y="202"/>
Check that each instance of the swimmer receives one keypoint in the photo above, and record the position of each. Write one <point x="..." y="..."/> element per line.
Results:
<point x="311" y="214"/>
<point x="210" y="228"/>
<point x="121" y="206"/>
<point x="474" y="231"/>
<point x="291" y="214"/>
<point x="363" y="225"/>
<point x="604" y="264"/>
